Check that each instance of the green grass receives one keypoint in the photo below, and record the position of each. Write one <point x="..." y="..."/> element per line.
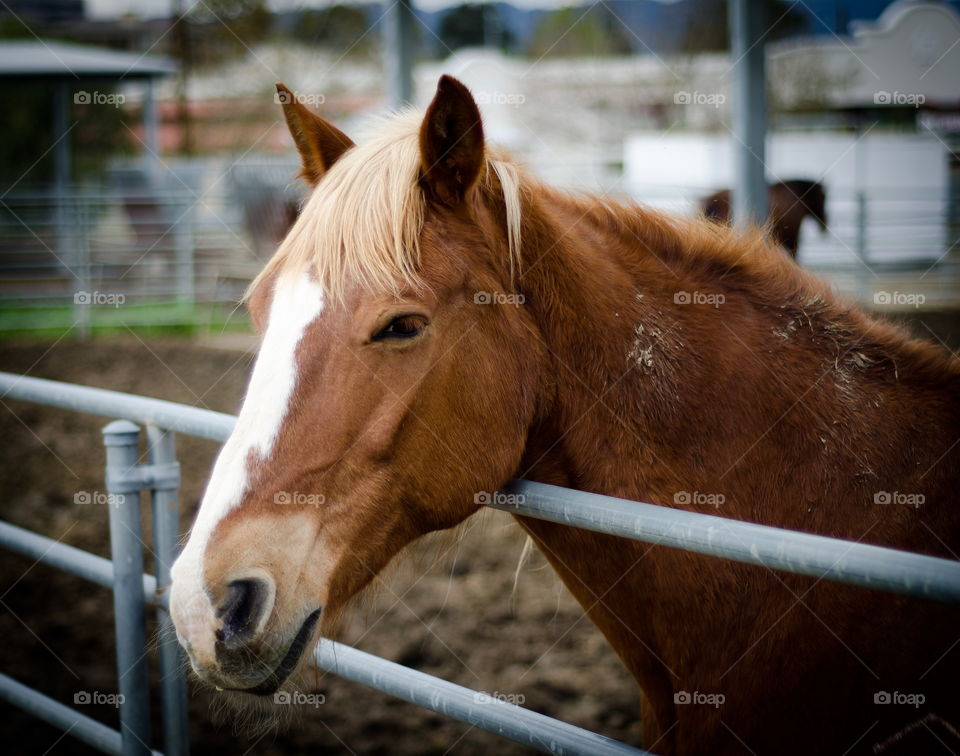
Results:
<point x="144" y="319"/>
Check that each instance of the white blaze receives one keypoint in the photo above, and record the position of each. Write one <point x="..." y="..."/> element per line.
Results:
<point x="296" y="302"/>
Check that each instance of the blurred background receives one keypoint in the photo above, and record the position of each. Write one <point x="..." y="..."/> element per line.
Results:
<point x="146" y="175"/>
<point x="144" y="155"/>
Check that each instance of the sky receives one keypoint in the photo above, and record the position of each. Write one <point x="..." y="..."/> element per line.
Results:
<point x="161" y="8"/>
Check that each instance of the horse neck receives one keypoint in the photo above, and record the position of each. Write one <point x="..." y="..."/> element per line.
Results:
<point x="616" y="416"/>
<point x="646" y="398"/>
<point x="775" y="400"/>
<point x="601" y="291"/>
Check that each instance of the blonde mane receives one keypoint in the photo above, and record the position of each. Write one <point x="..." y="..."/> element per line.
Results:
<point x="362" y="222"/>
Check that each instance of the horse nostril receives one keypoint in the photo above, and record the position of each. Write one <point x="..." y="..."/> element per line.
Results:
<point x="241" y="613"/>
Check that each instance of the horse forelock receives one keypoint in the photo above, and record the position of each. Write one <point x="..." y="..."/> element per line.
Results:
<point x="362" y="223"/>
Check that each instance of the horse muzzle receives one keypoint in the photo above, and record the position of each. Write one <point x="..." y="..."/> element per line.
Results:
<point x="234" y="643"/>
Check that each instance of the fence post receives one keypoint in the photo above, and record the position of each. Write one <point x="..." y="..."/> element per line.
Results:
<point x="120" y="439"/>
<point x="161" y="450"/>
<point x="399" y="21"/>
<point x="81" y="243"/>
<point x="864" y="295"/>
<point x="748" y="24"/>
<point x="184" y="253"/>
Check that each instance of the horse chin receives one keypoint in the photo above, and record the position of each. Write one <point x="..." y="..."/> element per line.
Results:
<point x="258" y="715"/>
<point x="294" y="657"/>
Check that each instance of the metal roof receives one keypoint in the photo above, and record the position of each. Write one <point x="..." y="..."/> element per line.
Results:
<point x="21" y="59"/>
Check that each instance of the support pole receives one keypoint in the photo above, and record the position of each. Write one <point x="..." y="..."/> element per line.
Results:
<point x="747" y="29"/>
<point x="121" y="438"/>
<point x="151" y="139"/>
<point x="80" y="244"/>
<point x="61" y="149"/>
<point x="398" y="25"/>
<point x="161" y="450"/>
<point x="183" y="214"/>
<point x="65" y="212"/>
<point x="864" y="295"/>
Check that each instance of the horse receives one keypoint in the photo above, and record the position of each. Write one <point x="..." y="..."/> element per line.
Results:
<point x="438" y="322"/>
<point x="790" y="202"/>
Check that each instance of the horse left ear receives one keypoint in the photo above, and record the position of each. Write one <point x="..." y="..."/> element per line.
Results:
<point x="319" y="142"/>
<point x="451" y="143"/>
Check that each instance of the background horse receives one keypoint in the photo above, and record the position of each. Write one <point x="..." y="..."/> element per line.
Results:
<point x="437" y="323"/>
<point x="790" y="202"/>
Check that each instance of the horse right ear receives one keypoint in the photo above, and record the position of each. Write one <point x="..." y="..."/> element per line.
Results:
<point x="451" y="142"/>
<point x="319" y="142"/>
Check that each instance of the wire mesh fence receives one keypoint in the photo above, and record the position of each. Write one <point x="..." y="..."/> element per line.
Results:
<point x="137" y="252"/>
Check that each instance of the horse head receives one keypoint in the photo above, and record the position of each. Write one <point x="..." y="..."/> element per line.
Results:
<point x="393" y="383"/>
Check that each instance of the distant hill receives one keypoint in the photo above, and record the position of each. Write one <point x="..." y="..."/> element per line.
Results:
<point x="653" y="26"/>
<point x="660" y="25"/>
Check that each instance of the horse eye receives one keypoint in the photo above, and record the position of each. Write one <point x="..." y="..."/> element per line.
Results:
<point x="402" y="327"/>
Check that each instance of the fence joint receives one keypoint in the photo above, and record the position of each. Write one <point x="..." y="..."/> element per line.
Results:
<point x="158" y="477"/>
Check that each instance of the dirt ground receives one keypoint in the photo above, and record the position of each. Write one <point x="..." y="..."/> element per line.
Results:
<point x="459" y="619"/>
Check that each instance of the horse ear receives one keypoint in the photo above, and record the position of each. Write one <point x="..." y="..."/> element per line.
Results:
<point x="319" y="143"/>
<point x="451" y="142"/>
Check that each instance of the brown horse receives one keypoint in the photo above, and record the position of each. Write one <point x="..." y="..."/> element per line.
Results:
<point x="790" y="202"/>
<point x="437" y="323"/>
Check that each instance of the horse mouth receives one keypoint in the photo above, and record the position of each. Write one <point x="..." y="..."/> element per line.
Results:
<point x="290" y="660"/>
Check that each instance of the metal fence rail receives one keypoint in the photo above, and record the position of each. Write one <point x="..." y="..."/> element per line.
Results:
<point x="776" y="548"/>
<point x="802" y="553"/>
<point x="76" y="561"/>
<point x="84" y="728"/>
<point x="473" y="707"/>
<point x="179" y="418"/>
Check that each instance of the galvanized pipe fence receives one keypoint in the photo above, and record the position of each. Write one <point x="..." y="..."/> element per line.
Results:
<point x="775" y="548"/>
